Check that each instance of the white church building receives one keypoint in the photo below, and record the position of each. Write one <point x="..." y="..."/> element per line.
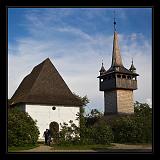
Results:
<point x="46" y="97"/>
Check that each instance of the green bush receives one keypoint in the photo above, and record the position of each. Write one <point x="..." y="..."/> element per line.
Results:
<point x="136" y="128"/>
<point x="125" y="130"/>
<point x="22" y="129"/>
<point x="69" y="134"/>
<point x="102" y="133"/>
<point x="143" y="118"/>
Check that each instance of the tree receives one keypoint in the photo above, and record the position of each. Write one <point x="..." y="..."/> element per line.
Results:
<point x="143" y="118"/>
<point x="93" y="117"/>
<point x="81" y="117"/>
<point x="22" y="128"/>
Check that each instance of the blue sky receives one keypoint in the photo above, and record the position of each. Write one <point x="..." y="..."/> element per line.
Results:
<point x="76" y="40"/>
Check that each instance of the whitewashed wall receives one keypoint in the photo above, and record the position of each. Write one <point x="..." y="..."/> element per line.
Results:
<point x="45" y="115"/>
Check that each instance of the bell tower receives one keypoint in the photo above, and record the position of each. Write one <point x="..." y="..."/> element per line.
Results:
<point x="118" y="83"/>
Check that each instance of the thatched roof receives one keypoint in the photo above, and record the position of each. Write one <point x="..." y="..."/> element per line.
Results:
<point x="44" y="85"/>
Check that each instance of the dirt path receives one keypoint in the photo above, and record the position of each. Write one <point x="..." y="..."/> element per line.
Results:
<point x="116" y="148"/>
<point x="44" y="148"/>
<point x="131" y="146"/>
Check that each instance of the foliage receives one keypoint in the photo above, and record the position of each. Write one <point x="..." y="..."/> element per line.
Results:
<point x="98" y="134"/>
<point x="136" y="128"/>
<point x="54" y="128"/>
<point x="22" y="129"/>
<point x="69" y="134"/>
<point x="81" y="117"/>
<point x="95" y="129"/>
<point x="84" y="100"/>
<point x="143" y="118"/>
<point x="93" y="117"/>
<point x="102" y="133"/>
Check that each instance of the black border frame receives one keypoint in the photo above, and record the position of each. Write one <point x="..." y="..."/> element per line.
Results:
<point x="33" y="4"/>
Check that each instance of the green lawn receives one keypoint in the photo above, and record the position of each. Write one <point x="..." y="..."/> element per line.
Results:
<point x="81" y="147"/>
<point x="18" y="148"/>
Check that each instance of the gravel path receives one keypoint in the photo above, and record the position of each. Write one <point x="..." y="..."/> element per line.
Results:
<point x="116" y="148"/>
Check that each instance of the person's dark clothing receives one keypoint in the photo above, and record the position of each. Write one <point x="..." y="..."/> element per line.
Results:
<point x="49" y="137"/>
<point x="45" y="136"/>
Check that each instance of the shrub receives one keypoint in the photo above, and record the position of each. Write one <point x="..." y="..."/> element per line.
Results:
<point x="136" y="128"/>
<point x="69" y="134"/>
<point x="22" y="128"/>
<point x="102" y="133"/>
<point x="125" y="130"/>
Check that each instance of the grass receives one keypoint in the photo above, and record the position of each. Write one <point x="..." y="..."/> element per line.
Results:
<point x="18" y="148"/>
<point x="81" y="147"/>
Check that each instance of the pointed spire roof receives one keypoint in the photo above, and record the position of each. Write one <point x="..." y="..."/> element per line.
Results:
<point x="132" y="68"/>
<point x="116" y="56"/>
<point x="102" y="68"/>
<point x="44" y="85"/>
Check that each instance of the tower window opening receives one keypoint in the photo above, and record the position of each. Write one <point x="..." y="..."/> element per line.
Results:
<point x="123" y="76"/>
<point x="109" y="77"/>
<point x="118" y="76"/>
<point x="129" y="77"/>
<point x="101" y="80"/>
<point x="113" y="76"/>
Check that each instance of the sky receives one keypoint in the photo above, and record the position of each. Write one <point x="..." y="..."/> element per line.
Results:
<point x="76" y="40"/>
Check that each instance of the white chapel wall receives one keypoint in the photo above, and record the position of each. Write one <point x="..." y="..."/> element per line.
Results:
<point x="45" y="115"/>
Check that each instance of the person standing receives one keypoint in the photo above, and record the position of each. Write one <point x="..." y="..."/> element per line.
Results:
<point x="46" y="135"/>
<point x="49" y="137"/>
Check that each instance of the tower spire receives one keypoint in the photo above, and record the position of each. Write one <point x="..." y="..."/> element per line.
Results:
<point x="116" y="56"/>
<point x="114" y="23"/>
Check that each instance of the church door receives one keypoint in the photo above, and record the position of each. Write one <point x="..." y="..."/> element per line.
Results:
<point x="54" y="128"/>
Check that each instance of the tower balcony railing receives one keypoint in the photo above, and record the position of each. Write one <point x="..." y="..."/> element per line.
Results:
<point x="120" y="83"/>
<point x="126" y="83"/>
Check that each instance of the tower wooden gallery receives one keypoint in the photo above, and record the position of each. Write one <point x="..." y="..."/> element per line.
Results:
<point x="118" y="83"/>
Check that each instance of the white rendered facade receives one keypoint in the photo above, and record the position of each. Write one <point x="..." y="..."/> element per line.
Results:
<point x="44" y="114"/>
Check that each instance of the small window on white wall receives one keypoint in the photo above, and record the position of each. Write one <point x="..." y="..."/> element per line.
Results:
<point x="53" y="108"/>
